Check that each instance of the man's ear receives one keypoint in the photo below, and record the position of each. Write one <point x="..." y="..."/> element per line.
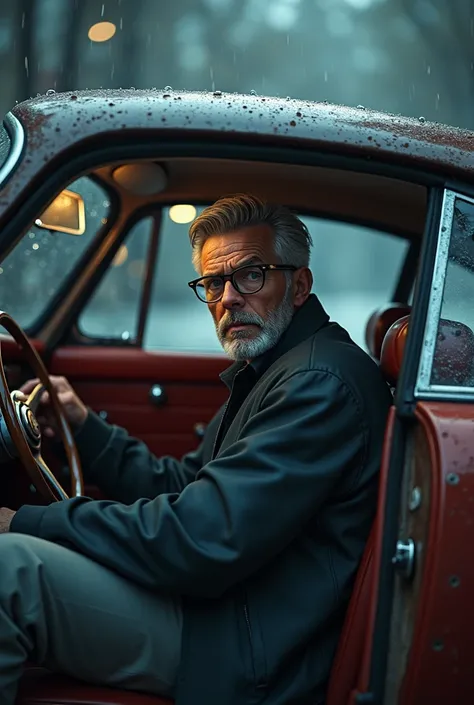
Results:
<point x="302" y="284"/>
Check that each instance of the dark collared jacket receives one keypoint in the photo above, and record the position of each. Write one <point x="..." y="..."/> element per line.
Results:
<point x="260" y="530"/>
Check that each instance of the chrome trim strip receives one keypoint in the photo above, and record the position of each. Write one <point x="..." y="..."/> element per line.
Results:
<point x="17" y="136"/>
<point x="459" y="395"/>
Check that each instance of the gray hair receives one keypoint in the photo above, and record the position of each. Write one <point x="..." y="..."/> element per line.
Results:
<point x="292" y="239"/>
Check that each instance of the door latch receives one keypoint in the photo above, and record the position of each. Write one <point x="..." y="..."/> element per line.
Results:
<point x="404" y="558"/>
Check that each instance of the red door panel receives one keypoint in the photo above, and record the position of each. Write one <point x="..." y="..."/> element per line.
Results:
<point x="118" y="383"/>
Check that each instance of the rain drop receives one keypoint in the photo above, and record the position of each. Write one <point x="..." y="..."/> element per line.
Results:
<point x="252" y="92"/>
<point x="50" y="91"/>
<point x="217" y="94"/>
<point x="421" y="119"/>
<point x="168" y="88"/>
<point x="361" y="107"/>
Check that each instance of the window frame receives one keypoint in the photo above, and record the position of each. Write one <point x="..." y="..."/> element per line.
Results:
<point x="16" y="134"/>
<point x="79" y="337"/>
<point x="424" y="389"/>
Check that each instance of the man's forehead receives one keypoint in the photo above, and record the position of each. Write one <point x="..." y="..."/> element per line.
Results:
<point x="252" y="244"/>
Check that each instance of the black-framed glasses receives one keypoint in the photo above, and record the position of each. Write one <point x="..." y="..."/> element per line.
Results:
<point x="248" y="279"/>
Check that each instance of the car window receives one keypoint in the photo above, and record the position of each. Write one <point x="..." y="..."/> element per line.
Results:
<point x="354" y="268"/>
<point x="34" y="271"/>
<point x="454" y="349"/>
<point x="113" y="310"/>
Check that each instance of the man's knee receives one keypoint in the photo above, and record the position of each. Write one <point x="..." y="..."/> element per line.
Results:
<point x="18" y="553"/>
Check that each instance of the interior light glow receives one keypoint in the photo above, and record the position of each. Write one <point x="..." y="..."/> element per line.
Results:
<point x="120" y="257"/>
<point x="182" y="213"/>
<point x="101" y="31"/>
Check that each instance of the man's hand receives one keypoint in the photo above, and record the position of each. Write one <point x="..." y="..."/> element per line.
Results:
<point x="74" y="409"/>
<point x="6" y="516"/>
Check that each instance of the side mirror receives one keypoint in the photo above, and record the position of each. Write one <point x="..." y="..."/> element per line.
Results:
<point x="66" y="214"/>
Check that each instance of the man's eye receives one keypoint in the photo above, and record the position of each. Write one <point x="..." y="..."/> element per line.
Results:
<point x="213" y="284"/>
<point x="253" y="275"/>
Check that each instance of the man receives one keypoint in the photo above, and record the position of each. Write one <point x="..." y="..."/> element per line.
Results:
<point x="224" y="577"/>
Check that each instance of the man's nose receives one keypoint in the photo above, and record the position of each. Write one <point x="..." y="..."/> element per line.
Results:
<point x="231" y="297"/>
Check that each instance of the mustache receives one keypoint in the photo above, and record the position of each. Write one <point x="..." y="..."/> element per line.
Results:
<point x="233" y="318"/>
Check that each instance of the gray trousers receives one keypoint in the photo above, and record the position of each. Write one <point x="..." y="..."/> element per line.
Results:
<point x="71" y="615"/>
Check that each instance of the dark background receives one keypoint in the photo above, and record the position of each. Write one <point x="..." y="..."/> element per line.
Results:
<point x="410" y="56"/>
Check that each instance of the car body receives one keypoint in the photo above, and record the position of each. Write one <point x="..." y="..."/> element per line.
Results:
<point x="105" y="302"/>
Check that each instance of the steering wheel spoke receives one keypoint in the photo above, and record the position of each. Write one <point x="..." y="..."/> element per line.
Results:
<point x="34" y="399"/>
<point x="49" y="477"/>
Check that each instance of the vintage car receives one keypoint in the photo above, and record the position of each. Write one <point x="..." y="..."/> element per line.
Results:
<point x="97" y="189"/>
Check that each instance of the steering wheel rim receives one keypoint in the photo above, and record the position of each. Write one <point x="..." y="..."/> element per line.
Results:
<point x="21" y="431"/>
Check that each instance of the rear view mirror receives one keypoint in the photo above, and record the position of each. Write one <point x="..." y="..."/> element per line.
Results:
<point x="66" y="214"/>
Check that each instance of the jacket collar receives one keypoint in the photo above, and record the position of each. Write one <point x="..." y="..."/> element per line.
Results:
<point x="306" y="321"/>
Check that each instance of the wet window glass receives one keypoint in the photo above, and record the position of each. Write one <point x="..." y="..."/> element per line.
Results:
<point x="35" y="270"/>
<point x="113" y="310"/>
<point x="355" y="270"/>
<point x="453" y="362"/>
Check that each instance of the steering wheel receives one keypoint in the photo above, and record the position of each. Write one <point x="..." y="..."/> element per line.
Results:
<point x="20" y="434"/>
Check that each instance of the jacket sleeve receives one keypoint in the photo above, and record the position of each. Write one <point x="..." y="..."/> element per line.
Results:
<point x="244" y="507"/>
<point x="124" y="468"/>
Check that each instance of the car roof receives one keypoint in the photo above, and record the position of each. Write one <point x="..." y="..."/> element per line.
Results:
<point x="353" y="164"/>
<point x="64" y="119"/>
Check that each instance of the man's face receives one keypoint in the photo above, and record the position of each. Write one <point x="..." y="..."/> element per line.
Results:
<point x="248" y="325"/>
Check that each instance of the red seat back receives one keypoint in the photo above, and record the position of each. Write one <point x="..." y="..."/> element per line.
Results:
<point x="379" y="323"/>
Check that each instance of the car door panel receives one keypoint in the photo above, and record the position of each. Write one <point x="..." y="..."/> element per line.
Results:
<point x="118" y="383"/>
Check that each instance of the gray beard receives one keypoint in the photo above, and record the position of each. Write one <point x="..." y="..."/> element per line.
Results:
<point x="240" y="347"/>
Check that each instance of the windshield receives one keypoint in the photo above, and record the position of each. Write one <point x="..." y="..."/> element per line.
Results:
<point x="414" y="58"/>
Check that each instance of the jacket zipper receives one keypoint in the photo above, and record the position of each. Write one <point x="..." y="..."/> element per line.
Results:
<point x="216" y="439"/>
